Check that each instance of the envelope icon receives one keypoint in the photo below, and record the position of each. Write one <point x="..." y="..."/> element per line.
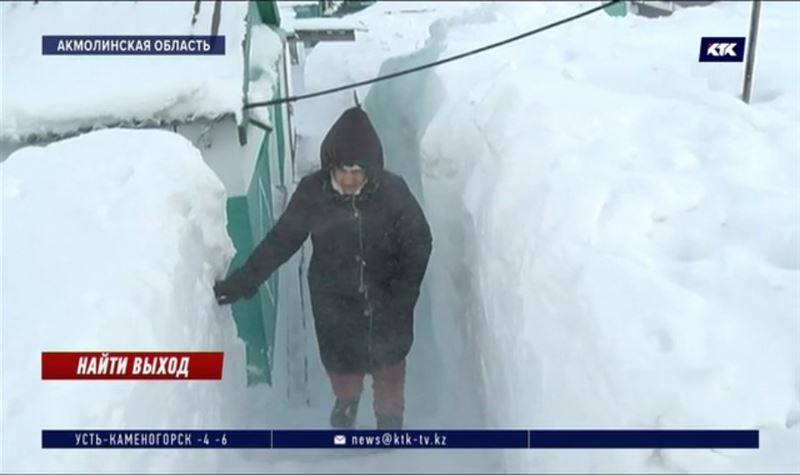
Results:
<point x="339" y="439"/>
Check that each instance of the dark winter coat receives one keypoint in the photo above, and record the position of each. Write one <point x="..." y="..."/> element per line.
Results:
<point x="371" y="252"/>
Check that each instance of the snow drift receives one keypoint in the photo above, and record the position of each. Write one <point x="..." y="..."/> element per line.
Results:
<point x="111" y="241"/>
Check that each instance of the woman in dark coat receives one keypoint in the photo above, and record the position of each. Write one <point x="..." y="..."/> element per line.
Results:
<point x="371" y="245"/>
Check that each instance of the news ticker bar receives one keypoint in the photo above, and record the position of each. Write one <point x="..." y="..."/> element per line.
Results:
<point x="412" y="439"/>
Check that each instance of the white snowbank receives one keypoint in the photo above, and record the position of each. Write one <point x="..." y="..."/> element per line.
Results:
<point x="618" y="234"/>
<point x="634" y="229"/>
<point x="111" y="241"/>
<point x="61" y="94"/>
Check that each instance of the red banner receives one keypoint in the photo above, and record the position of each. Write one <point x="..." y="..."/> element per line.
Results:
<point x="148" y="365"/>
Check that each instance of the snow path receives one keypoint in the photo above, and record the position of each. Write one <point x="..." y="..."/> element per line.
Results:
<point x="430" y="402"/>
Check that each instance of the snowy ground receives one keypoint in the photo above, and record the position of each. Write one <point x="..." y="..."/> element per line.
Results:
<point x="616" y="244"/>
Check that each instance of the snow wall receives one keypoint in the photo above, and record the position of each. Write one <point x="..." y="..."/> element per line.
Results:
<point x="117" y="257"/>
<point x="615" y="233"/>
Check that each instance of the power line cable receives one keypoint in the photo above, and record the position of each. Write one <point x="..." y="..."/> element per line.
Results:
<point x="300" y="97"/>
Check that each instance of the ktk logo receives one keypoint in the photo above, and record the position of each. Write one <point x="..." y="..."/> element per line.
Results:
<point x="721" y="50"/>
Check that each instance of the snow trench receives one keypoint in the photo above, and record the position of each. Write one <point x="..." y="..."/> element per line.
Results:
<point x="590" y="270"/>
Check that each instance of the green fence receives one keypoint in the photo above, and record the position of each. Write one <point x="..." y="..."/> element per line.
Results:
<point x="250" y="217"/>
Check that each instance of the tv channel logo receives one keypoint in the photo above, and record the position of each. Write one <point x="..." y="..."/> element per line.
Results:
<point x="715" y="49"/>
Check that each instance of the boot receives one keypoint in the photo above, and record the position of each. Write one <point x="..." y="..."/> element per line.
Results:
<point x="343" y="415"/>
<point x="389" y="421"/>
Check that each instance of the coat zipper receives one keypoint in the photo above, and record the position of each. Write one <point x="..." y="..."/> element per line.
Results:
<point x="362" y="286"/>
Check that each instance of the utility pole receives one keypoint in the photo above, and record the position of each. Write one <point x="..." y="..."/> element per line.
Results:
<point x="751" y="51"/>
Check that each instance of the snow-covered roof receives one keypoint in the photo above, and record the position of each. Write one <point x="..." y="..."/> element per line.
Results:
<point x="62" y="94"/>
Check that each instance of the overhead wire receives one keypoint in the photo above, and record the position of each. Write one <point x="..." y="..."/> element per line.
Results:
<point x="433" y="64"/>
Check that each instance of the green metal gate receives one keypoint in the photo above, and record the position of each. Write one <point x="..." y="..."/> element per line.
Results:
<point x="250" y="217"/>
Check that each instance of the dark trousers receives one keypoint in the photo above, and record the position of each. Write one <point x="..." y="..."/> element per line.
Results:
<point x="388" y="384"/>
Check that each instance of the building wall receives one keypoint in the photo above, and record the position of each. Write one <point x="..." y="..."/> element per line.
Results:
<point x="219" y="143"/>
<point x="217" y="140"/>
